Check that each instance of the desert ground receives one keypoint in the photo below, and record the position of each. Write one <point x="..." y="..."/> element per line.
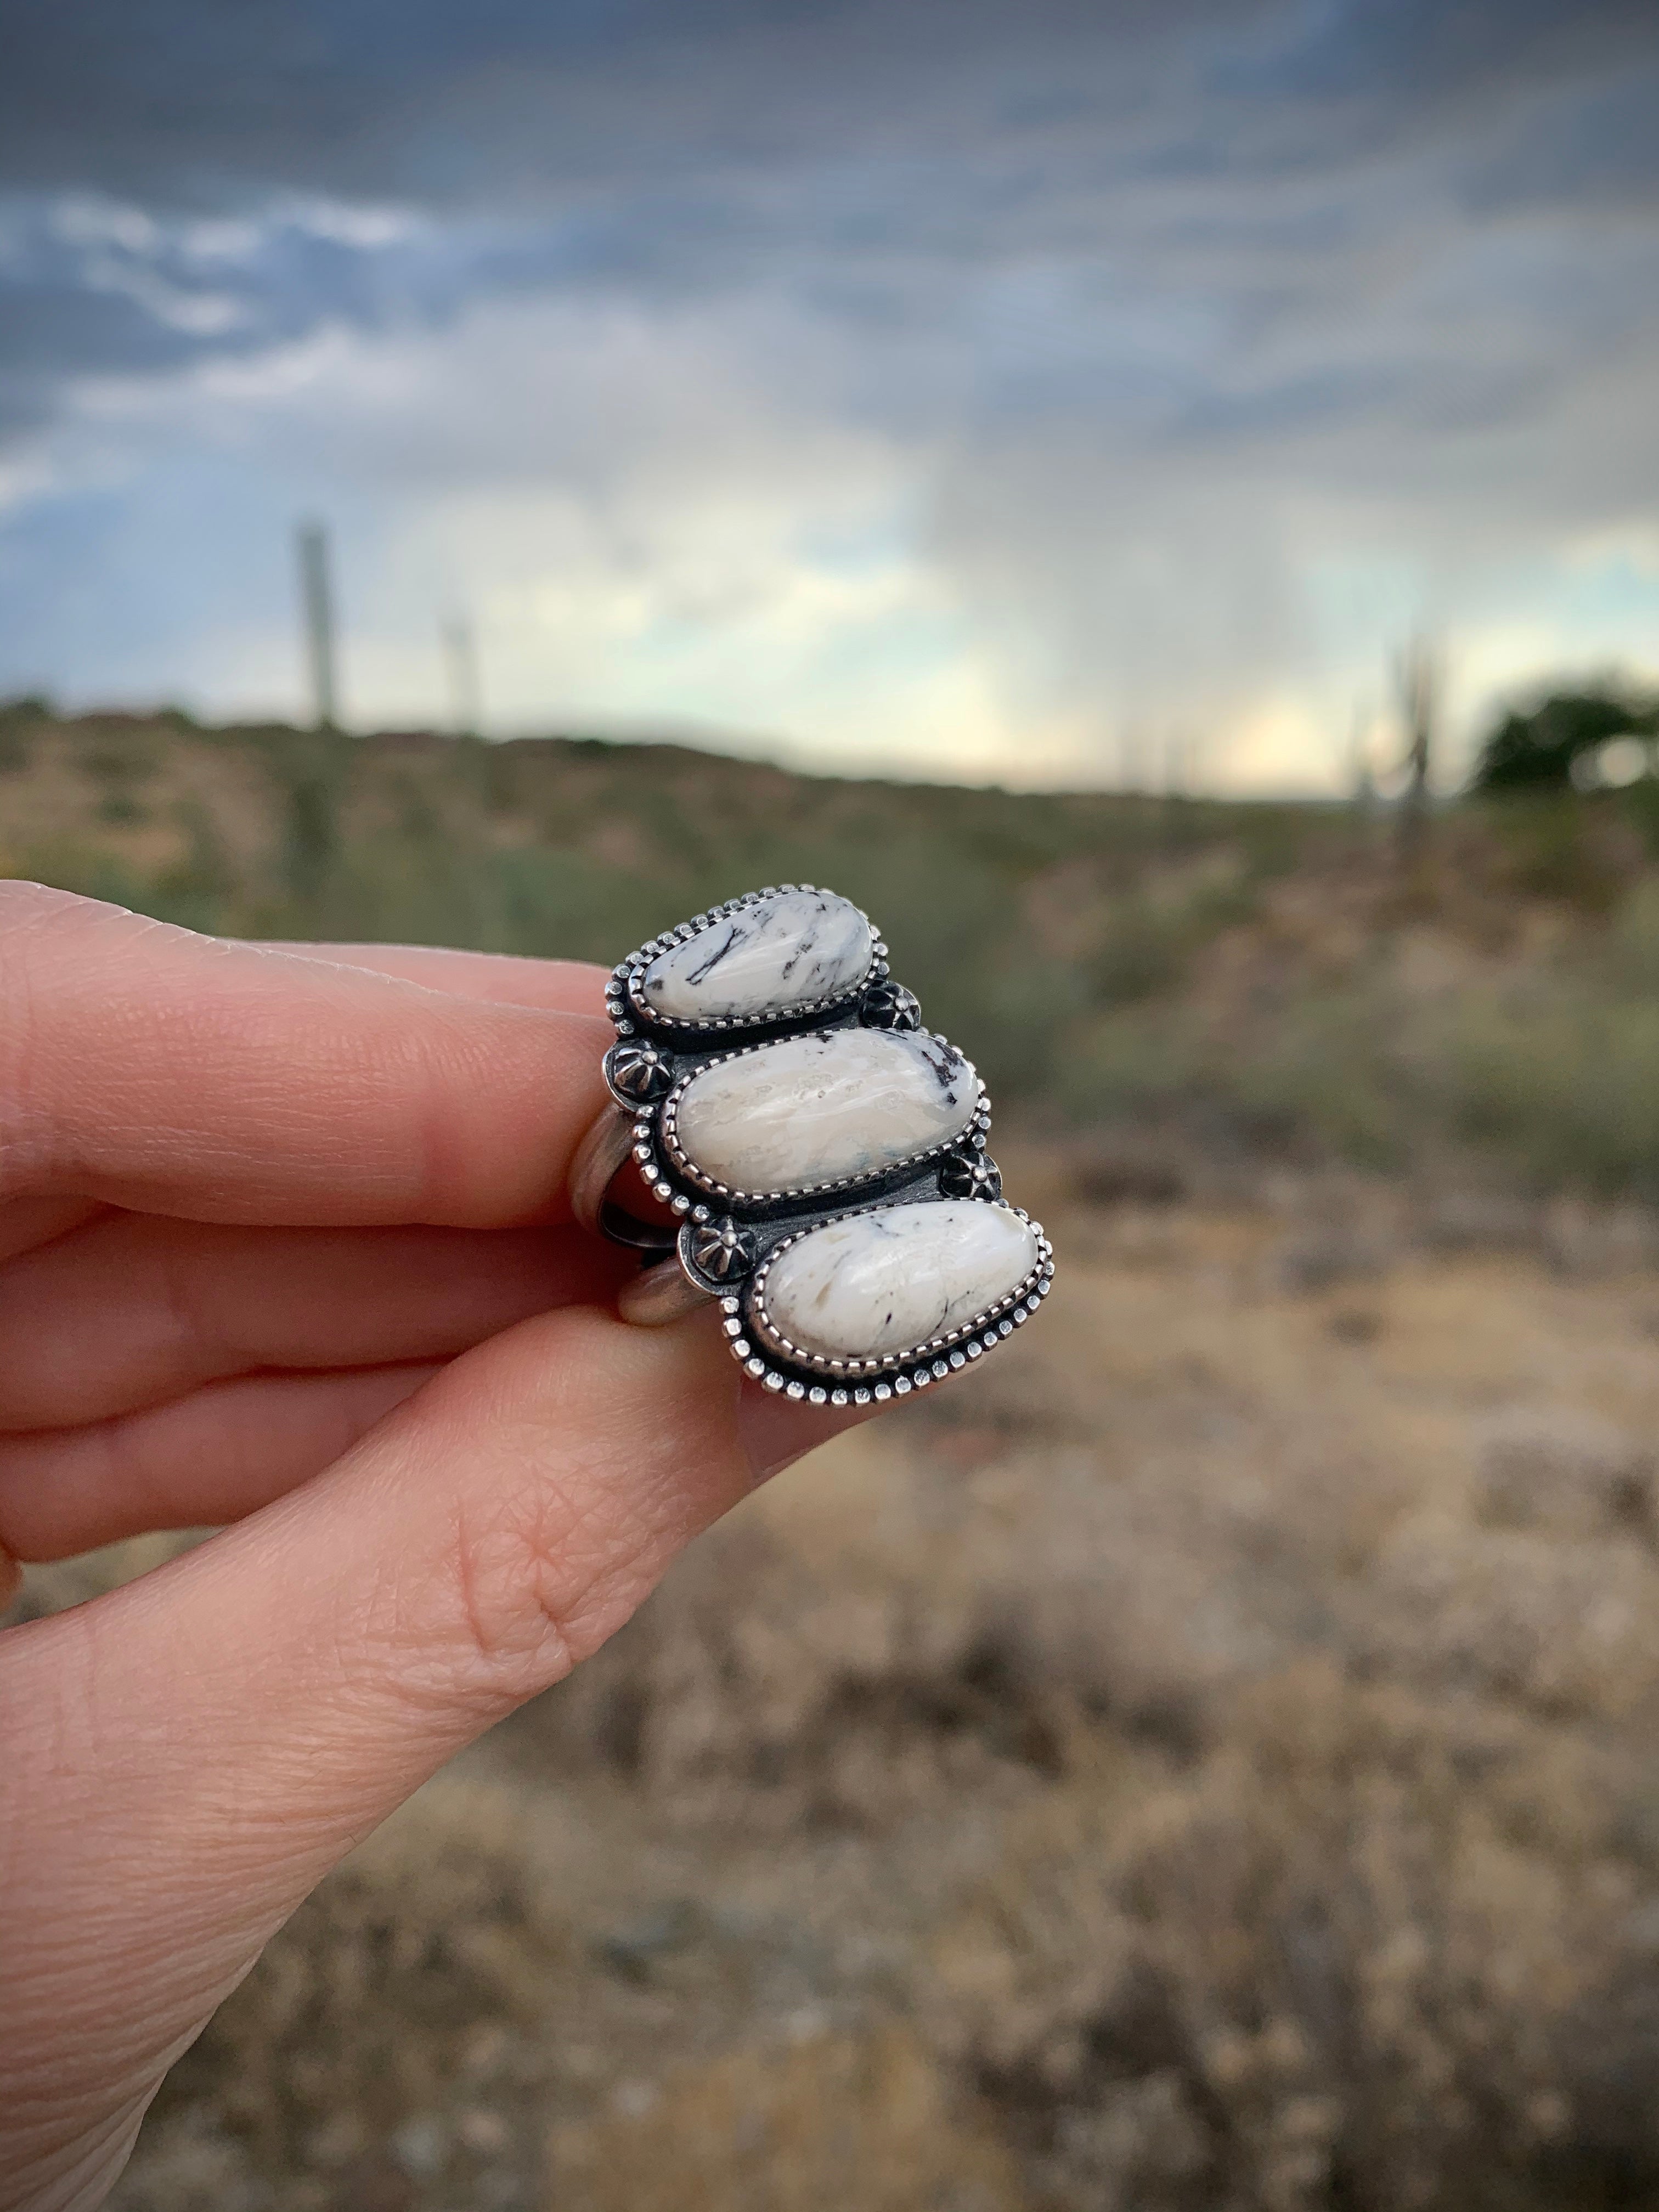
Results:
<point x="1207" y="1758"/>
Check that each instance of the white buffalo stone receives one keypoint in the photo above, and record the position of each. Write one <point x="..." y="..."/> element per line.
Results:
<point x="824" y="1107"/>
<point x="893" y="1280"/>
<point x="794" y="950"/>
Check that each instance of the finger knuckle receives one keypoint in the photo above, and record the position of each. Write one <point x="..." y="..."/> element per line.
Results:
<point x="27" y="909"/>
<point x="523" y="1556"/>
<point x="42" y="933"/>
<point x="34" y="921"/>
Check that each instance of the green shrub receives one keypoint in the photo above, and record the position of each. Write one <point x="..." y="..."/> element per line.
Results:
<point x="1065" y="942"/>
<point x="1562" y="1086"/>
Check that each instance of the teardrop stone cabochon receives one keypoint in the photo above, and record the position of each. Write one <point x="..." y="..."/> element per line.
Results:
<point x="821" y="1109"/>
<point x="892" y="1281"/>
<point x="796" y="950"/>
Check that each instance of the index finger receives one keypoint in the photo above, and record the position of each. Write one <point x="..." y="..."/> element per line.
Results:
<point x="143" y="1066"/>
<point x="565" y="987"/>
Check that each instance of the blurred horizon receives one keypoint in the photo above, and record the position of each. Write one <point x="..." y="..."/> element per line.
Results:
<point x="1096" y="400"/>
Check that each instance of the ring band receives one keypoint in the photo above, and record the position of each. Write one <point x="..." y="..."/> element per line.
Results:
<point x="819" y="1156"/>
<point x="658" y="1294"/>
<point x="599" y="1158"/>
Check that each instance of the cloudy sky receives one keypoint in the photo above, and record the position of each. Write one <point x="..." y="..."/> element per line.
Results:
<point x="1046" y="393"/>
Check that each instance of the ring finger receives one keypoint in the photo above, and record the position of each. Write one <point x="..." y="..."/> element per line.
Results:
<point x="132" y="1310"/>
<point x="203" y="1462"/>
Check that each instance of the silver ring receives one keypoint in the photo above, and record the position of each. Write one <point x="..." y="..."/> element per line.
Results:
<point x="816" y="1158"/>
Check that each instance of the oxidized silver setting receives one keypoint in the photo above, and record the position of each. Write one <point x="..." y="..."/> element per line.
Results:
<point x="938" y="1355"/>
<point x="626" y="1004"/>
<point x="673" y="1173"/>
<point x="725" y="1242"/>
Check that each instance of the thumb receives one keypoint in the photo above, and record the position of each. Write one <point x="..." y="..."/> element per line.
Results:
<point x="185" y="1758"/>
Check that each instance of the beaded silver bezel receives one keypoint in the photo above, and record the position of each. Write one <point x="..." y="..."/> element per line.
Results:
<point x="669" y="1158"/>
<point x="769" y="1357"/>
<point x="632" y="1016"/>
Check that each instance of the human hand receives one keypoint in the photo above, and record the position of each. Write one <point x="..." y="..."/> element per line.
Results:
<point x="284" y="1246"/>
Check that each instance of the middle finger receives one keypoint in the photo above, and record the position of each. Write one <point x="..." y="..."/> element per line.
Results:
<point x="133" y="1310"/>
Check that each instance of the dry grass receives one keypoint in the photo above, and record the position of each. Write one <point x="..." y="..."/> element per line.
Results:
<point x="849" y="2119"/>
<point x="1206" y="1762"/>
<point x="1260" y="977"/>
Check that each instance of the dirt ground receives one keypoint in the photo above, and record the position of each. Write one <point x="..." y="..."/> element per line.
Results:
<point x="1207" y="1758"/>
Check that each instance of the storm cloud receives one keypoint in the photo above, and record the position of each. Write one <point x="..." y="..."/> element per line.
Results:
<point x="926" y="385"/>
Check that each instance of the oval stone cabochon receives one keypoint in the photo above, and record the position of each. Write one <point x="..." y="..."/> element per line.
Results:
<point x="772" y="957"/>
<point x="895" y="1280"/>
<point x="826" y="1109"/>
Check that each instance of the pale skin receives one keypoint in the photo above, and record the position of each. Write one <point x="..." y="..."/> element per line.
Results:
<point x="284" y="1251"/>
